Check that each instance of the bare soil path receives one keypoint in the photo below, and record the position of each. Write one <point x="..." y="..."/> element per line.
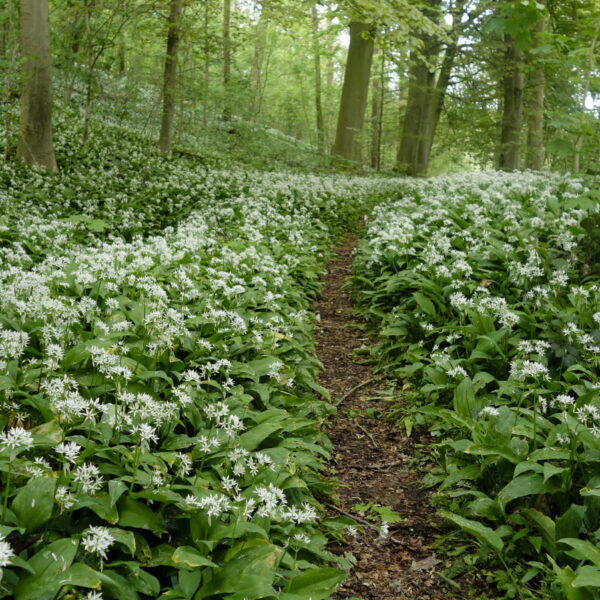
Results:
<point x="372" y="460"/>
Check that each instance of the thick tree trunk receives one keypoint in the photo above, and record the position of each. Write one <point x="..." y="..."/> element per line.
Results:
<point x="586" y="88"/>
<point x="317" y="61"/>
<point x="512" y="115"/>
<point x="415" y="142"/>
<point x="354" y="93"/>
<point x="411" y="157"/>
<point x="165" y="139"/>
<point x="535" y="105"/>
<point x="35" y="145"/>
<point x="226" y="59"/>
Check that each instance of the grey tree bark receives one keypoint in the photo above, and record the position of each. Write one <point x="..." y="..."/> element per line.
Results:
<point x="355" y="90"/>
<point x="317" y="62"/>
<point x="35" y="146"/>
<point x="414" y="141"/>
<point x="512" y="114"/>
<point x="226" y="59"/>
<point x="535" y="106"/>
<point x="377" y="103"/>
<point x="165" y="139"/>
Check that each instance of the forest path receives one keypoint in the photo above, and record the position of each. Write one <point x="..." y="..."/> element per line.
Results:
<point x="372" y="460"/>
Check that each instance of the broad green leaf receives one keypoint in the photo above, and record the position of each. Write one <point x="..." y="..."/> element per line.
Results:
<point x="587" y="577"/>
<point x="484" y="534"/>
<point x="587" y="550"/>
<point x="524" y="485"/>
<point x="316" y="584"/>
<point x="80" y="575"/>
<point x="48" y="564"/>
<point x="34" y="502"/>
<point x="251" y="439"/>
<point x="251" y="572"/>
<point x="136" y="514"/>
<point x="545" y="525"/>
<point x="187" y="556"/>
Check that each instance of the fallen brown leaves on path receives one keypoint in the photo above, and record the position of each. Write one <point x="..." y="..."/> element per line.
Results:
<point x="373" y="461"/>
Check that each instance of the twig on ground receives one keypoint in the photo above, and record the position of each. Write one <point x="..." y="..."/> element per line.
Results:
<point x="349" y="514"/>
<point x="368" y="434"/>
<point x="360" y="385"/>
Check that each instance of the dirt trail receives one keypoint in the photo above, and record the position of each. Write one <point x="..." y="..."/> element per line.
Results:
<point x="372" y="461"/>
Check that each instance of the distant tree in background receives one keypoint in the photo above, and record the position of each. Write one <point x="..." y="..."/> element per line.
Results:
<point x="165" y="140"/>
<point x="355" y="91"/>
<point x="35" y="145"/>
<point x="454" y="84"/>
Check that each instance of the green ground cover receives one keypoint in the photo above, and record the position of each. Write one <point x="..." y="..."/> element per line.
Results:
<point x="158" y="380"/>
<point x="486" y="304"/>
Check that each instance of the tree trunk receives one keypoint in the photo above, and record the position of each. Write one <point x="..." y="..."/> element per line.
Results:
<point x="443" y="80"/>
<point x="377" y="90"/>
<point x="317" y="61"/>
<point x="512" y="115"/>
<point x="90" y="63"/>
<point x="354" y="93"/>
<point x="411" y="157"/>
<point x="535" y="112"/>
<point x="438" y="98"/>
<point x="35" y="145"/>
<point x="226" y="59"/>
<point x="256" y="71"/>
<point x="206" y="72"/>
<point x="165" y="139"/>
<point x="121" y="62"/>
<point x="586" y="89"/>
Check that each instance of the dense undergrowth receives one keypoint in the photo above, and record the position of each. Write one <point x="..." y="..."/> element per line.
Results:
<point x="486" y="304"/>
<point x="157" y="377"/>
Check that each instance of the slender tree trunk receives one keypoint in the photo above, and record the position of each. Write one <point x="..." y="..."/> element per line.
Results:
<point x="226" y="59"/>
<point x="35" y="145"/>
<point x="90" y="63"/>
<point x="8" y="67"/>
<point x="535" y="109"/>
<point x="586" y="89"/>
<point x="256" y="71"/>
<point x="512" y="115"/>
<point x="377" y="92"/>
<point x="121" y="62"/>
<point x="206" y="82"/>
<point x="317" y="61"/>
<point x="165" y="139"/>
<point x="329" y="112"/>
<point x="439" y="95"/>
<point x="354" y="93"/>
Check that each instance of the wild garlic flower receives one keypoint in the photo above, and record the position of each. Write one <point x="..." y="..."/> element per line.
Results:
<point x="98" y="540"/>
<point x="521" y="370"/>
<point x="69" y="450"/>
<point x="6" y="552"/>
<point x="88" y="476"/>
<point x="15" y="438"/>
<point x="64" y="498"/>
<point x="490" y="411"/>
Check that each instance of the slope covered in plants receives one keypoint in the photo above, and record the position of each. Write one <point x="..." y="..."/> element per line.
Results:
<point x="158" y="380"/>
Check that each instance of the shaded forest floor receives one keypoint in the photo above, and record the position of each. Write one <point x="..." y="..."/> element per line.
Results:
<point x="373" y="460"/>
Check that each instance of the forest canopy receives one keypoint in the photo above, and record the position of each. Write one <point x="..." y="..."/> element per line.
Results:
<point x="415" y="87"/>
